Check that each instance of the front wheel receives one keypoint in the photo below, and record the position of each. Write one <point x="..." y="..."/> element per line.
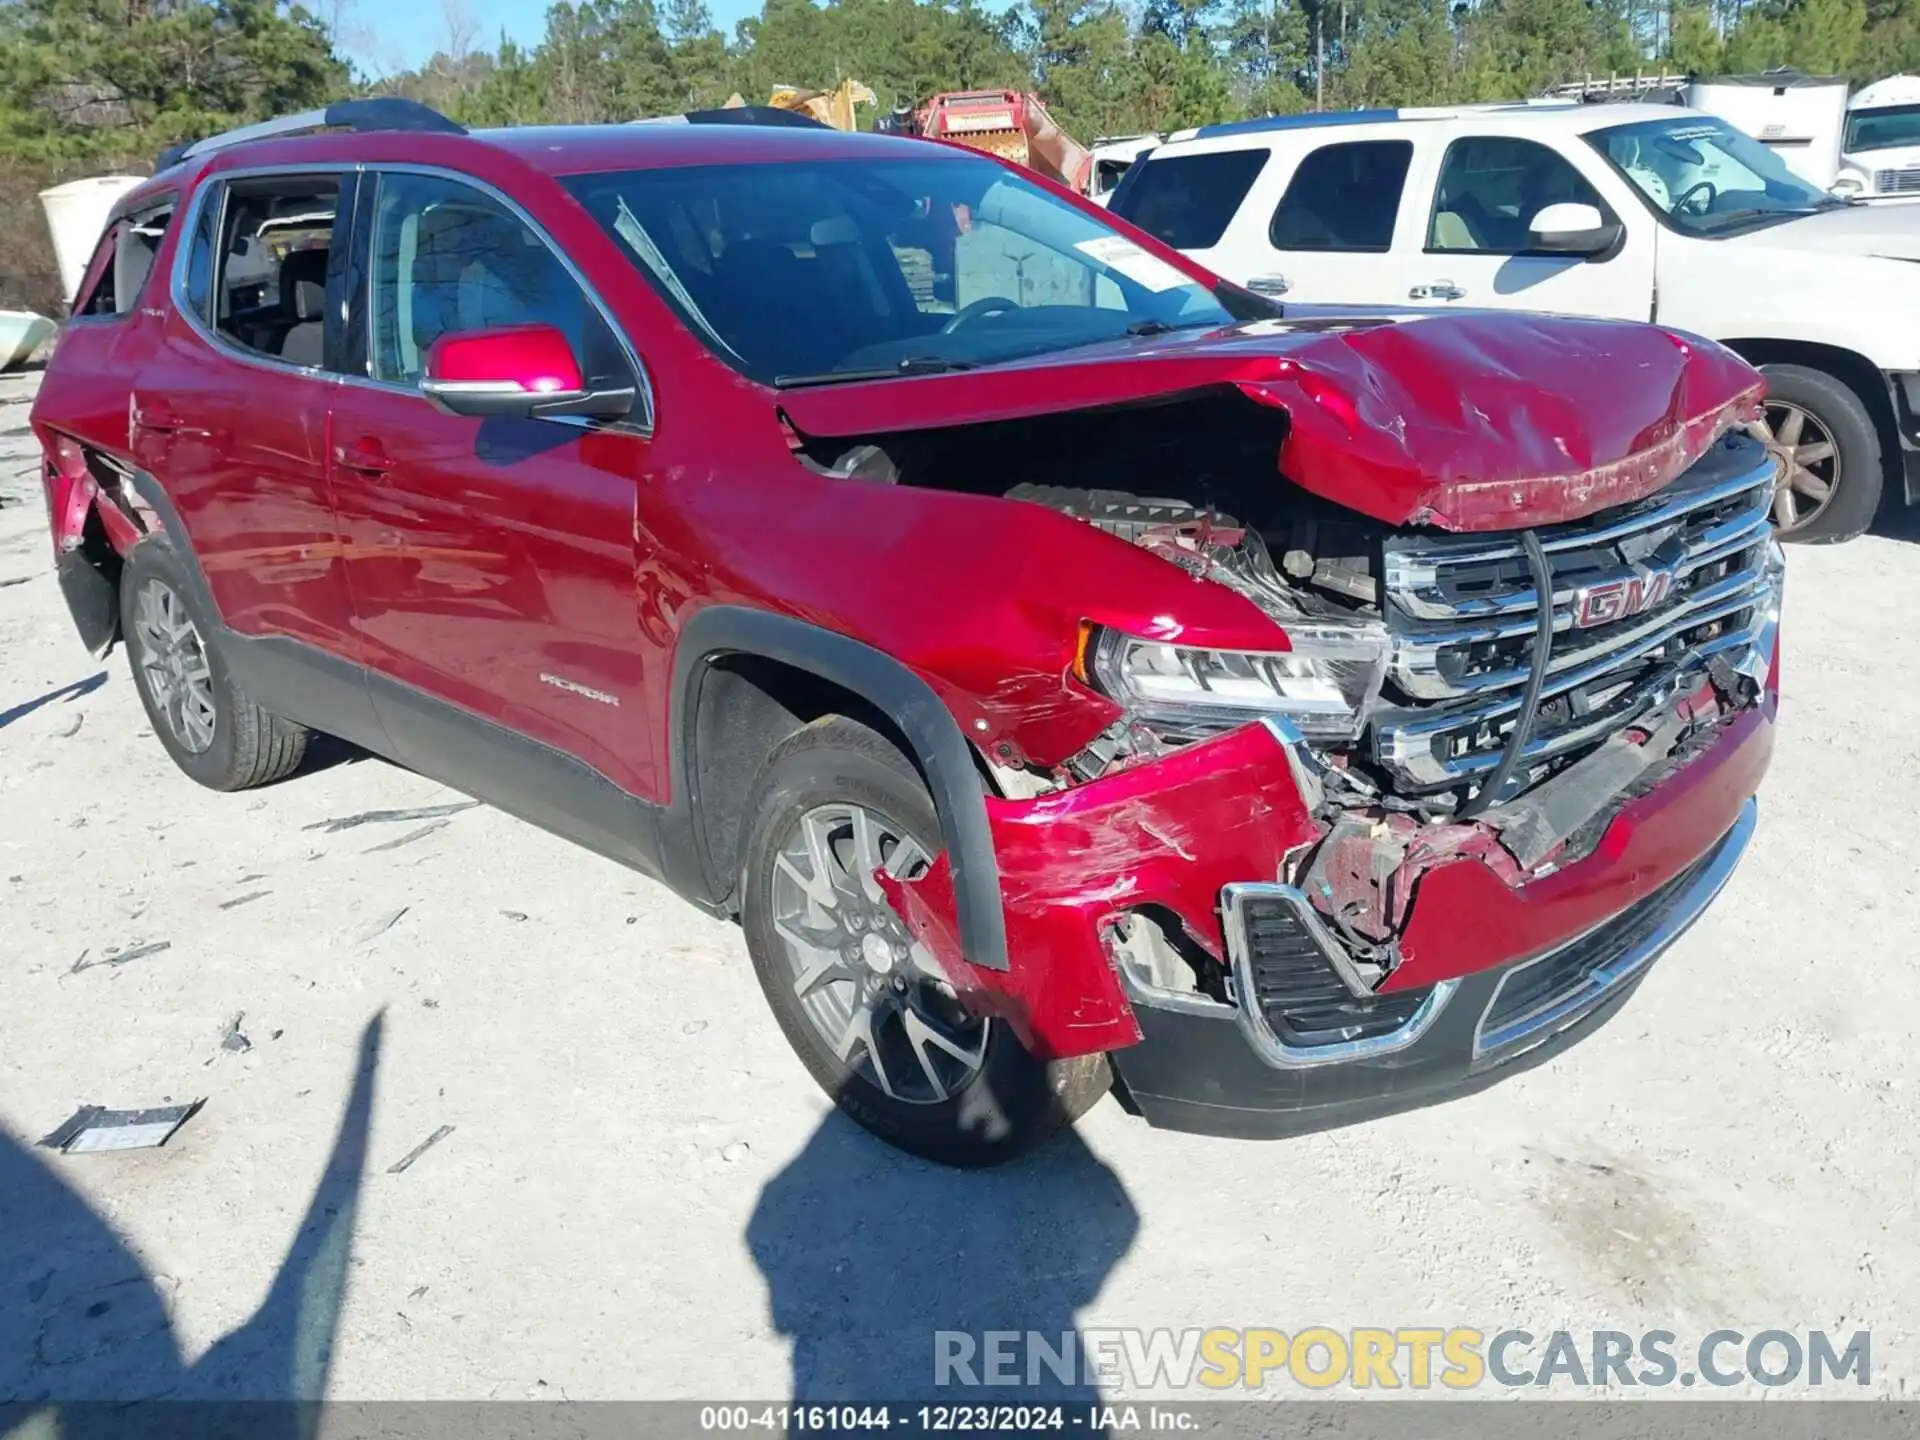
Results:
<point x="1828" y="448"/>
<point x="863" y="1004"/>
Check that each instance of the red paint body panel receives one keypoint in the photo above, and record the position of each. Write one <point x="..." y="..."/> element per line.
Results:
<point x="1464" y="919"/>
<point x="483" y="556"/>
<point x="1440" y="421"/>
<point x="1171" y="833"/>
<point x="537" y="358"/>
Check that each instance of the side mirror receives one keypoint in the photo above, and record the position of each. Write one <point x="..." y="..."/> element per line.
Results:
<point x="1571" y="229"/>
<point x="515" y="371"/>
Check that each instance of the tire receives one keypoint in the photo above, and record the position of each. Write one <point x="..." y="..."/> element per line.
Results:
<point x="1009" y="1101"/>
<point x="1857" y="469"/>
<point x="223" y="739"/>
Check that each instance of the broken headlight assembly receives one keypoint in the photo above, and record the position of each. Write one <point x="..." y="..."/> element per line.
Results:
<point x="1325" y="685"/>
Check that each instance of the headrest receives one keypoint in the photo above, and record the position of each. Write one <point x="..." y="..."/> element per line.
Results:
<point x="303" y="285"/>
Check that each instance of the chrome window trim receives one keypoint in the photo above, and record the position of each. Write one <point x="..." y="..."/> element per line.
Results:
<point x="177" y="280"/>
<point x="1553" y="1015"/>
<point x="644" y="425"/>
<point x="1269" y="1046"/>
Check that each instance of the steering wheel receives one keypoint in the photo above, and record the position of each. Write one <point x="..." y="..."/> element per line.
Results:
<point x="988" y="305"/>
<point x="1702" y="206"/>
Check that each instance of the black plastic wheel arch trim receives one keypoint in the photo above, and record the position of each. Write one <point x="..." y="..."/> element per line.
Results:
<point x="909" y="702"/>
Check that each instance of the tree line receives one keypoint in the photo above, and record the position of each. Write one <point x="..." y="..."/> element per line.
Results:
<point x="87" y="80"/>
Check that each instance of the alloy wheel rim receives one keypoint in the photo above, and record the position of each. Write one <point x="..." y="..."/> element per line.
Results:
<point x="1809" y="463"/>
<point x="869" y="989"/>
<point x="173" y="661"/>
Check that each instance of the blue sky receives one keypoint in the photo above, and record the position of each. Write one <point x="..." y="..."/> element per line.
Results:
<point x="401" y="36"/>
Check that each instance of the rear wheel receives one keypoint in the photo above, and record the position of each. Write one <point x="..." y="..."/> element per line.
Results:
<point x="213" y="730"/>
<point x="1829" y="452"/>
<point x="865" y="1006"/>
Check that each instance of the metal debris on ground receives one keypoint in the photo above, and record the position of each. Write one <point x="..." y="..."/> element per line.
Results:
<point x="414" y="1154"/>
<point x="119" y="957"/>
<point x="68" y="731"/>
<point x="233" y="1040"/>
<point x="388" y="817"/>
<point x="408" y="838"/>
<point x="246" y="899"/>
<point x="94" y="1128"/>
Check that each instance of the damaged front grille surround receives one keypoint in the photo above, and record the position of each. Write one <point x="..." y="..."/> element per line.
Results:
<point x="1676" y="581"/>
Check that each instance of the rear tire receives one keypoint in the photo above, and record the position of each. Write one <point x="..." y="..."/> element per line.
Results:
<point x="968" y="1094"/>
<point x="1836" y="421"/>
<point x="216" y="733"/>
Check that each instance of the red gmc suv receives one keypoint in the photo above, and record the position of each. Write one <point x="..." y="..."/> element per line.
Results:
<point x="1071" y="669"/>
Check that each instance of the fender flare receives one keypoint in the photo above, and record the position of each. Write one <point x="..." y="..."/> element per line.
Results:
<point x="959" y="797"/>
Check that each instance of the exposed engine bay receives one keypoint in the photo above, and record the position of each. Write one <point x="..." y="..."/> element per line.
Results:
<point x="1441" y="713"/>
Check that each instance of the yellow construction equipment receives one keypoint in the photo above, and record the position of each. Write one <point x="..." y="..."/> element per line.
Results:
<point x="830" y="107"/>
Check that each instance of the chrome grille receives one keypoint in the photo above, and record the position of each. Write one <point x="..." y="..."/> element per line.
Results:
<point x="1641" y="595"/>
<point x="1897" y="182"/>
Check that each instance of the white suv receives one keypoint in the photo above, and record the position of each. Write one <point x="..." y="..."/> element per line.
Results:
<point x="1647" y="212"/>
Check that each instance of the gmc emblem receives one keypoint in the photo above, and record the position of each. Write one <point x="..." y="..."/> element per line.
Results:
<point x="1617" y="599"/>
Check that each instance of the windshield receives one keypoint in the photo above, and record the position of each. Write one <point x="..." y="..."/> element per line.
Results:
<point x="1706" y="178"/>
<point x="836" y="269"/>
<point x="1882" y="129"/>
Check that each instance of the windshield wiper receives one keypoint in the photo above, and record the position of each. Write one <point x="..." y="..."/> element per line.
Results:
<point x="912" y="365"/>
<point x="1163" y="327"/>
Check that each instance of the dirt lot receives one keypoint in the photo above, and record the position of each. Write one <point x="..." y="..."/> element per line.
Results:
<point x="642" y="1195"/>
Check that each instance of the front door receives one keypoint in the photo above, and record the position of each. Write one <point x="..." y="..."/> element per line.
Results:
<point x="1473" y="249"/>
<point x="491" y="561"/>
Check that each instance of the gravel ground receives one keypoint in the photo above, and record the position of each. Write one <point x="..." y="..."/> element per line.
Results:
<point x="642" y="1195"/>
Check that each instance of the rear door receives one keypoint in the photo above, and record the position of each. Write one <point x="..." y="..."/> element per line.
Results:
<point x="1329" y="231"/>
<point x="492" y="561"/>
<point x="230" y="411"/>
<point x="1469" y="247"/>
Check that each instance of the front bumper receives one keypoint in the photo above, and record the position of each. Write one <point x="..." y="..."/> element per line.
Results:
<point x="1217" y="1069"/>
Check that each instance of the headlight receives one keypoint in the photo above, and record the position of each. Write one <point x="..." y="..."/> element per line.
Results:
<point x="1326" y="684"/>
<point x="1847" y="186"/>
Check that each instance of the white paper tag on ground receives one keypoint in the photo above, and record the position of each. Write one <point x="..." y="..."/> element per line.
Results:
<point x="1118" y="253"/>
<point x="122" y="1137"/>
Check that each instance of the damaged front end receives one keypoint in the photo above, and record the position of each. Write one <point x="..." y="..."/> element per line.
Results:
<point x="1442" y="796"/>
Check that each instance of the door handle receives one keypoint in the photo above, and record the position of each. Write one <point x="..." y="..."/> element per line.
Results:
<point x="364" y="457"/>
<point x="158" y="420"/>
<point x="1438" y="290"/>
<point x="1269" y="285"/>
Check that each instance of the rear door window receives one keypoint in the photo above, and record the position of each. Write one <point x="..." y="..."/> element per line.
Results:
<point x="1343" y="197"/>
<point x="1187" y="201"/>
<point x="269" y="289"/>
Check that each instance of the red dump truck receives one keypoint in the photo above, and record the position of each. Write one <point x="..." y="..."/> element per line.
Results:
<point x="1009" y="124"/>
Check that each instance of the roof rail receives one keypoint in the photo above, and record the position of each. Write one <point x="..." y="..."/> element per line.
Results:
<point x="736" y="115"/>
<point x="381" y="112"/>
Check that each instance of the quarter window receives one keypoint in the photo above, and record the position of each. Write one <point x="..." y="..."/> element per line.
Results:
<point x="125" y="258"/>
<point x="1343" y="197"/>
<point x="1490" y="189"/>
<point x="448" y="259"/>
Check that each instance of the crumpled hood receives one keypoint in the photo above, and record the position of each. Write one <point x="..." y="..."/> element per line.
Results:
<point x="1887" y="228"/>
<point x="1467" y="421"/>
